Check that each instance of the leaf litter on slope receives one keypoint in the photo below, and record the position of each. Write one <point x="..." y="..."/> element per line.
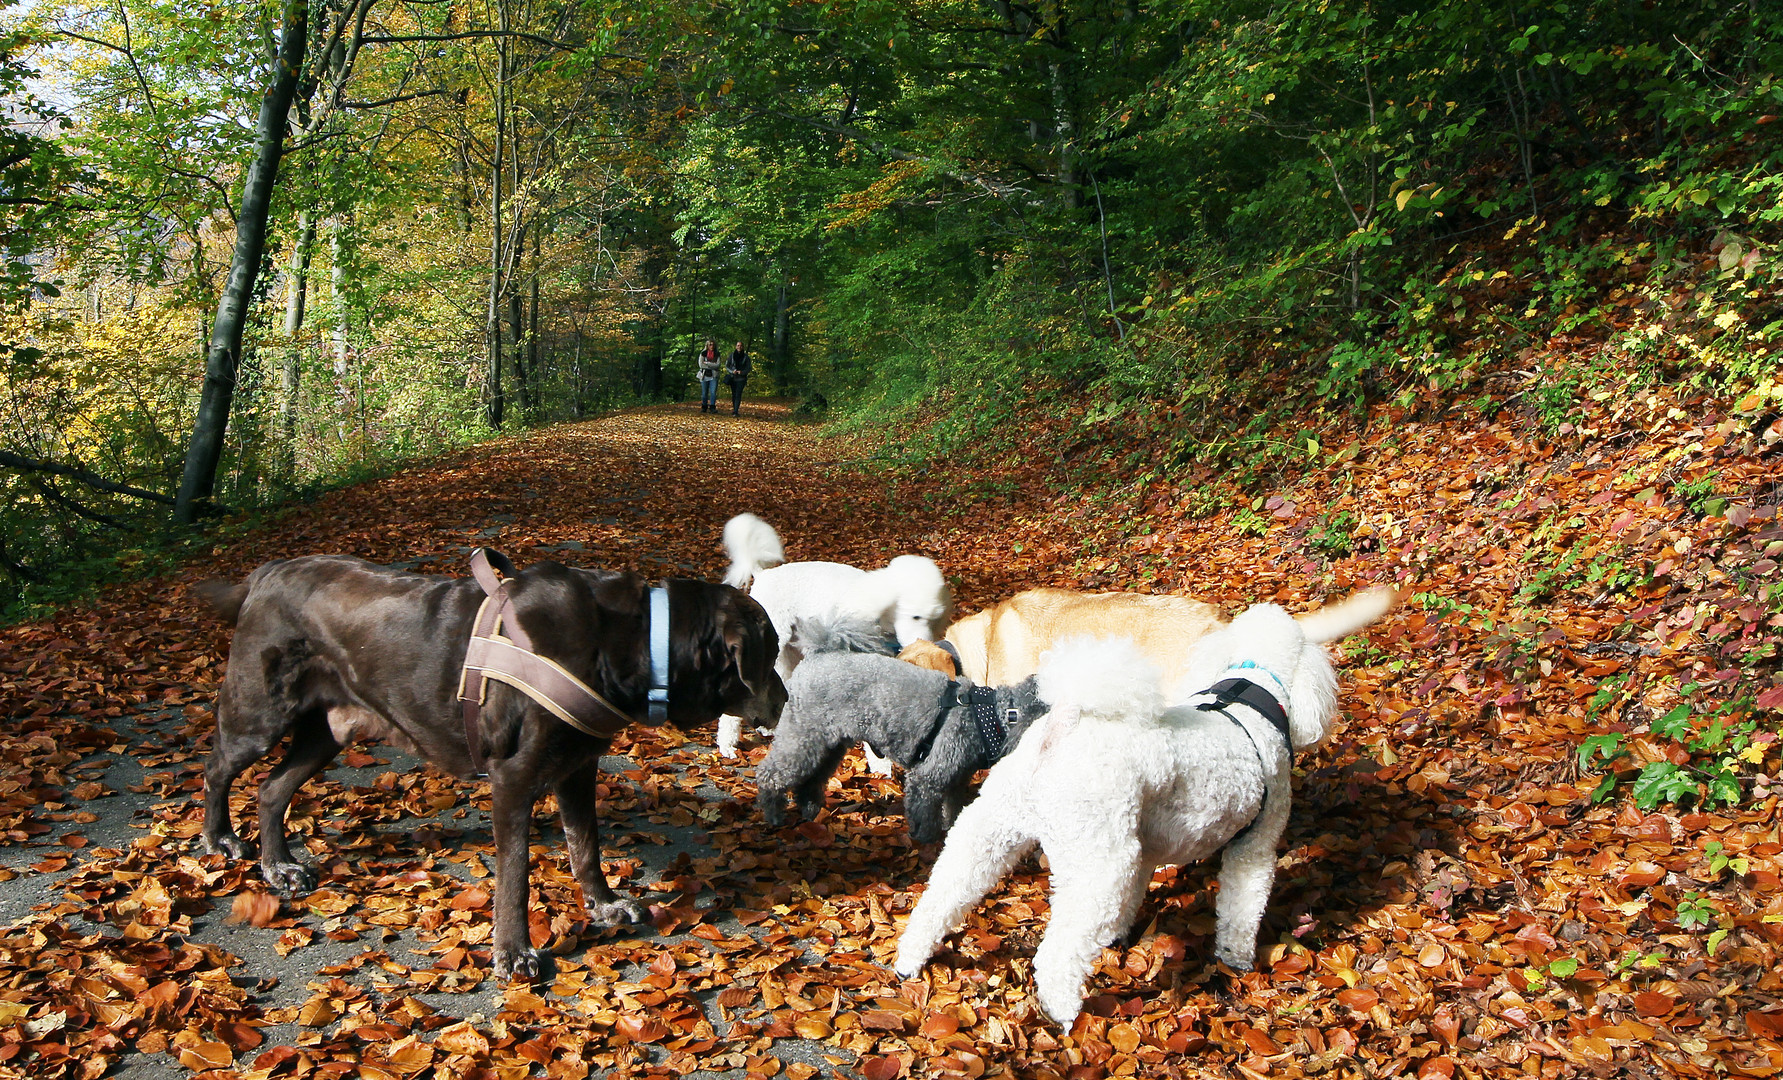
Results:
<point x="1449" y="900"/>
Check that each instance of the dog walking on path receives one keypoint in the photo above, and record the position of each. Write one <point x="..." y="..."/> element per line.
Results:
<point x="1112" y="784"/>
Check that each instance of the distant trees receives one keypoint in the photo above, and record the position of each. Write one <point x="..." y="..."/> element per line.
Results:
<point x="529" y="209"/>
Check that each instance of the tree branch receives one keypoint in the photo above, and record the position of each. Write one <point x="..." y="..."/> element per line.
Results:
<point x="50" y="493"/>
<point x="11" y="460"/>
<point x="395" y="39"/>
<point x="396" y="99"/>
<point x="996" y="188"/>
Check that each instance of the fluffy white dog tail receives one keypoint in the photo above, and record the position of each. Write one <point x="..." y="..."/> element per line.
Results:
<point x="753" y="546"/>
<point x="1340" y="620"/>
<point x="1103" y="679"/>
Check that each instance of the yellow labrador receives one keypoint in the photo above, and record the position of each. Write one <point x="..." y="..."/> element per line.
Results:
<point x="1002" y="644"/>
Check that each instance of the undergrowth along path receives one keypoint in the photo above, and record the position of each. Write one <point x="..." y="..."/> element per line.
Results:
<point x="1450" y="899"/>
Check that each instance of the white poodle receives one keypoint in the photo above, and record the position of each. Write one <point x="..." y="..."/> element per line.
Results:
<point x="1112" y="784"/>
<point x="908" y="599"/>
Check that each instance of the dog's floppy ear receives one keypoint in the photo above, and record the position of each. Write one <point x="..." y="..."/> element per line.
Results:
<point x="501" y="563"/>
<point x="751" y="645"/>
<point x="927" y="654"/>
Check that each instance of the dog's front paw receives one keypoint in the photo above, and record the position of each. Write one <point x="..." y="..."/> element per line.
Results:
<point x="730" y="728"/>
<point x="516" y="963"/>
<point x="1061" y="1006"/>
<point x="229" y="845"/>
<point x="925" y="832"/>
<point x="772" y="805"/>
<point x="620" y="912"/>
<point x="911" y="959"/>
<point x="292" y="879"/>
<point x="1235" y="960"/>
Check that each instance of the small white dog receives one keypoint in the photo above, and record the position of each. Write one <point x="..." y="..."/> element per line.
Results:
<point x="1112" y="784"/>
<point x="908" y="599"/>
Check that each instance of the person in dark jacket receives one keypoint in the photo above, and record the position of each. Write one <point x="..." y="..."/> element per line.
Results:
<point x="736" y="372"/>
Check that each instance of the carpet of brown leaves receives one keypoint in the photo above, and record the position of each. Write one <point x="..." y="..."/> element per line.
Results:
<point x="1449" y="902"/>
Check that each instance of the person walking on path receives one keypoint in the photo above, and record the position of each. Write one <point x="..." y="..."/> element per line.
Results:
<point x="736" y="372"/>
<point x="707" y="358"/>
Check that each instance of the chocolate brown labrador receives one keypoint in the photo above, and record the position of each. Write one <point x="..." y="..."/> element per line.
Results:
<point x="331" y="649"/>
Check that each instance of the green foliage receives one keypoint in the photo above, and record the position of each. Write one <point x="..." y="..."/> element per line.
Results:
<point x="1706" y="755"/>
<point x="36" y="175"/>
<point x="1694" y="910"/>
<point x="1332" y="537"/>
<point x="1699" y="495"/>
<point x="1719" y="860"/>
<point x="1247" y="522"/>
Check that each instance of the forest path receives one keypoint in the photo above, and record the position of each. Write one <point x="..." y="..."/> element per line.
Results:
<point x="1449" y="899"/>
<point x="123" y="940"/>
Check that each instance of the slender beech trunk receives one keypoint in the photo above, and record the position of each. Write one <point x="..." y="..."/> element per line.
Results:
<point x="492" y="393"/>
<point x="223" y="353"/>
<point x="780" y="327"/>
<point x="517" y="323"/>
<point x="290" y="373"/>
<point x="337" y="292"/>
<point x="532" y="318"/>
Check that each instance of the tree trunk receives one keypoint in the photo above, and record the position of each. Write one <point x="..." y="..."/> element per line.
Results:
<point x="1064" y="126"/>
<point x="290" y="371"/>
<point x="343" y="348"/>
<point x="223" y="354"/>
<point x="532" y="320"/>
<point x="522" y="377"/>
<point x="492" y="393"/>
<point x="780" y="327"/>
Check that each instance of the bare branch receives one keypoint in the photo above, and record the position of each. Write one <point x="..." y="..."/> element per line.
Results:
<point x="521" y="35"/>
<point x="11" y="460"/>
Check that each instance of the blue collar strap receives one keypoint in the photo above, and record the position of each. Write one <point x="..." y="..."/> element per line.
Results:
<point x="659" y="655"/>
<point x="1249" y="669"/>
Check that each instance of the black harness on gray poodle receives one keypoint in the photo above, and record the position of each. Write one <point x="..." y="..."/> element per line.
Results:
<point x="993" y="731"/>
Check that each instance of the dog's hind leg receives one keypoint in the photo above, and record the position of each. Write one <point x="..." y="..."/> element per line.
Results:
<point x="1097" y="889"/>
<point x="984" y="846"/>
<point x="312" y="747"/>
<point x="1247" y="872"/>
<point x="581" y="831"/>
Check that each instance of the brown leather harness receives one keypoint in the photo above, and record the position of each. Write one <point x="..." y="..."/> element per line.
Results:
<point x="501" y="651"/>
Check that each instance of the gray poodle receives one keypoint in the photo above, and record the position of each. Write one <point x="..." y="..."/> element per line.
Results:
<point x="940" y="730"/>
